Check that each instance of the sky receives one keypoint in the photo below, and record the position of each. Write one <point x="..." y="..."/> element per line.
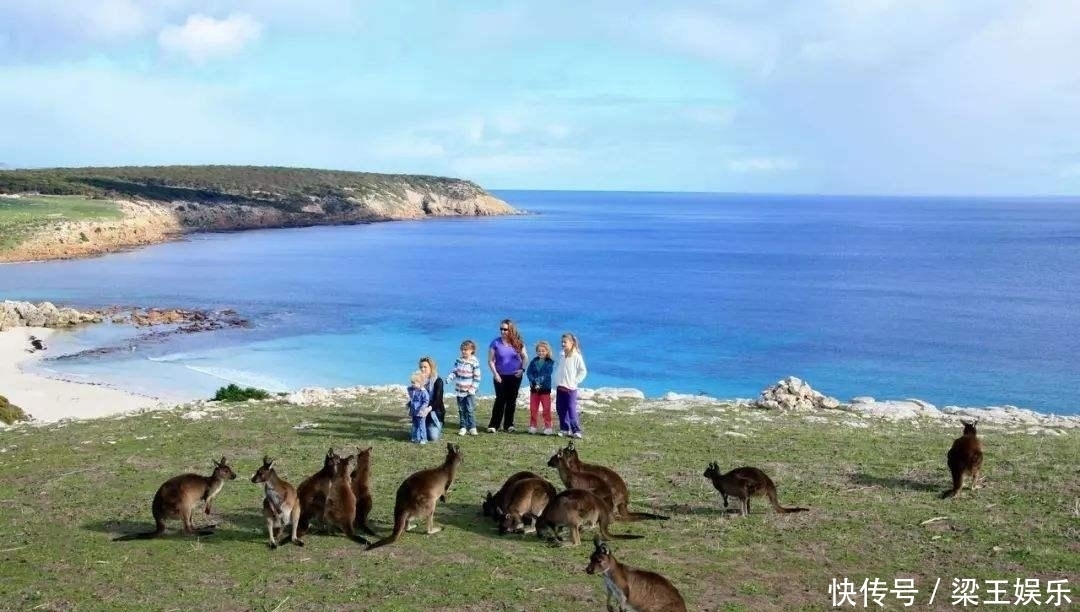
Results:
<point x="890" y="97"/>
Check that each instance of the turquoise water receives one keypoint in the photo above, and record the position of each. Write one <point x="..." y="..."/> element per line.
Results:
<point x="955" y="301"/>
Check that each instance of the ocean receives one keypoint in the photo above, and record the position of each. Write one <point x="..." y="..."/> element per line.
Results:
<point x="957" y="301"/>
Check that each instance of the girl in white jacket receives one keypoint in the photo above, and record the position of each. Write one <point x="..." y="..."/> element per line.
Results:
<point x="569" y="372"/>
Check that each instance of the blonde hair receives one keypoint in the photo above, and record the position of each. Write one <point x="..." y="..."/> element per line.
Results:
<point x="430" y="362"/>
<point x="468" y="344"/>
<point x="417" y="378"/>
<point x="576" y="348"/>
<point x="543" y="344"/>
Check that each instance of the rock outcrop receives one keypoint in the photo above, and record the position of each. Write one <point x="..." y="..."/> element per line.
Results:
<point x="45" y="314"/>
<point x="794" y="394"/>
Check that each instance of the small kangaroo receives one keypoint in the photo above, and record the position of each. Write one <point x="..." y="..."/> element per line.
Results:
<point x="744" y="483"/>
<point x="629" y="588"/>
<point x="340" y="508"/>
<point x="526" y="499"/>
<point x="589" y="481"/>
<point x="577" y="508"/>
<point x="490" y="504"/>
<point x="361" y="484"/>
<point x="313" y="490"/>
<point x="281" y="507"/>
<point x="620" y="492"/>
<point x="177" y="496"/>
<point x="965" y="456"/>
<point x="417" y="496"/>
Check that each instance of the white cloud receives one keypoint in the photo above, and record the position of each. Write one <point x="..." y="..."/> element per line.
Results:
<point x="202" y="38"/>
<point x="761" y="164"/>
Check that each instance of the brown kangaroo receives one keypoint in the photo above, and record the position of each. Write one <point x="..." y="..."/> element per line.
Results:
<point x="417" y="496"/>
<point x="177" y="496"/>
<point x="361" y="484"/>
<point x="340" y="508"/>
<point x="490" y="504"/>
<point x="281" y="507"/>
<point x="577" y="508"/>
<point x="744" y="483"/>
<point x="620" y="492"/>
<point x="629" y="588"/>
<point x="965" y="456"/>
<point x="526" y="499"/>
<point x="313" y="491"/>
<point x="589" y="481"/>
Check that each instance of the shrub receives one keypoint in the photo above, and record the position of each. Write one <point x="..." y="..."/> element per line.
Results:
<point x="233" y="393"/>
<point x="9" y="413"/>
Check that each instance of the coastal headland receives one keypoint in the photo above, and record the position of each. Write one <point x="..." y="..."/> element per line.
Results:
<point x="61" y="213"/>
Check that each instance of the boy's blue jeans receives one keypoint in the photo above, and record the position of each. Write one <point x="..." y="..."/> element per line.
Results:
<point x="466" y="407"/>
<point x="419" y="431"/>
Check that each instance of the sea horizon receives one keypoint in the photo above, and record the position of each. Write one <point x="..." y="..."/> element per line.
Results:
<point x="952" y="300"/>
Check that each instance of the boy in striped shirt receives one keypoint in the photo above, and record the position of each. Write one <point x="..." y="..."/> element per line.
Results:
<point x="466" y="378"/>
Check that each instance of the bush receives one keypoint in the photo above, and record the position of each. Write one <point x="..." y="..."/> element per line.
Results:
<point x="232" y="393"/>
<point x="9" y="413"/>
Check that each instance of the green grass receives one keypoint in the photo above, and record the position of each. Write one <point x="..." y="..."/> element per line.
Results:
<point x="66" y="490"/>
<point x="21" y="217"/>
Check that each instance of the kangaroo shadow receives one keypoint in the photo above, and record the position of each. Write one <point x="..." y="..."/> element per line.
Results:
<point x="893" y="482"/>
<point x="174" y="531"/>
<point x="381" y="427"/>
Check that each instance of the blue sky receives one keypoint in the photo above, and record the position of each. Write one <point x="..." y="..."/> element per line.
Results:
<point x="815" y="96"/>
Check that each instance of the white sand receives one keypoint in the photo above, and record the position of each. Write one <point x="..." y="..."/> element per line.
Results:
<point x="49" y="400"/>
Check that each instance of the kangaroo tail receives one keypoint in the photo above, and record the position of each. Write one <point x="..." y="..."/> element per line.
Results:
<point x="625" y="536"/>
<point x="957" y="481"/>
<point x="367" y="529"/>
<point x="771" y="492"/>
<point x="644" y="516"/>
<point x="400" y="522"/>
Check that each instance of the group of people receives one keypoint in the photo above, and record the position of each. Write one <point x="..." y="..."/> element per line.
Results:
<point x="508" y="361"/>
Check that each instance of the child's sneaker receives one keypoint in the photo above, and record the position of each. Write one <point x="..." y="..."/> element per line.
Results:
<point x="564" y="433"/>
<point x="491" y="430"/>
<point x="473" y="432"/>
<point x="461" y="432"/>
<point x="510" y="429"/>
<point x="577" y="434"/>
<point x="423" y="441"/>
<point x="547" y="431"/>
<point x="532" y="430"/>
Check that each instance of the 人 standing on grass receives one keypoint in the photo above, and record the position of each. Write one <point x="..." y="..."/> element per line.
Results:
<point x="506" y="359"/>
<point x="569" y="373"/>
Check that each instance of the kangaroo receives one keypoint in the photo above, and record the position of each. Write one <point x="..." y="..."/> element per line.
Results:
<point x="629" y="588"/>
<point x="281" y="506"/>
<point x="744" y="483"/>
<point x="577" y="508"/>
<point x="620" y="492"/>
<point x="313" y="491"/>
<point x="340" y="508"/>
<point x="526" y="499"/>
<point x="965" y="456"/>
<point x="361" y="484"/>
<point x="177" y="496"/>
<point x="589" y="481"/>
<point x="490" y="504"/>
<point x="417" y="496"/>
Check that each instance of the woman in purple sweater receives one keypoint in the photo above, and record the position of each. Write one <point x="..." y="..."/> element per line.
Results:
<point x="506" y="359"/>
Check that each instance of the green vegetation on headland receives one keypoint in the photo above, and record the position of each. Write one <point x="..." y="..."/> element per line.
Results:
<point x="26" y="215"/>
<point x="233" y="393"/>
<point x="10" y="413"/>
<point x="872" y="488"/>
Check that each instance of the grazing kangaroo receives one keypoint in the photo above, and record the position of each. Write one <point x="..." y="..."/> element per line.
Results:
<point x="281" y="507"/>
<point x="361" y="484"/>
<point x="177" y="496"/>
<point x="577" y="508"/>
<point x="490" y="504"/>
<point x="589" y="481"/>
<point x="744" y="483"/>
<point x="629" y="588"/>
<point x="620" y="492"/>
<point x="340" y="508"/>
<point x="313" y="491"/>
<point x="526" y="499"/>
<point x="965" y="456"/>
<point x="417" y="496"/>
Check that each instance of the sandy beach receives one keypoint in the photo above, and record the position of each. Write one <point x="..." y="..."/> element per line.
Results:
<point x="49" y="400"/>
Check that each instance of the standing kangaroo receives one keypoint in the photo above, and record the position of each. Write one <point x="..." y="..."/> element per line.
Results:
<point x="526" y="499"/>
<point x="361" y="484"/>
<point x="965" y="456"/>
<point x="313" y="491"/>
<point x="579" y="479"/>
<point x="281" y="507"/>
<point x="340" y="508"/>
<point x="630" y="588"/>
<point x="577" y="508"/>
<point x="620" y="492"/>
<point x="490" y="504"/>
<point x="417" y="496"/>
<point x="177" y="496"/>
<point x="744" y="483"/>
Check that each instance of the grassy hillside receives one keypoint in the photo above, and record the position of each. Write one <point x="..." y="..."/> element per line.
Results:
<point x="68" y="489"/>
<point x="26" y="215"/>
<point x="285" y="188"/>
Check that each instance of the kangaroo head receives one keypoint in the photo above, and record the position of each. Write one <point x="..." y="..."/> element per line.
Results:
<point x="363" y="458"/>
<point x="506" y="521"/>
<point x="601" y="559"/>
<point x="223" y="471"/>
<point x="263" y="473"/>
<point x="557" y="458"/>
<point x="969" y="426"/>
<point x="487" y="505"/>
<point x="713" y="469"/>
<point x="341" y="465"/>
<point x="453" y="454"/>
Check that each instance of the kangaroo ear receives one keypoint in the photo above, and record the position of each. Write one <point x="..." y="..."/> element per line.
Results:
<point x="222" y="464"/>
<point x="330" y="453"/>
<point x="570" y="446"/>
